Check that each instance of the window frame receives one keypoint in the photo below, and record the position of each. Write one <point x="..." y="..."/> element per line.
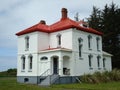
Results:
<point x="90" y="56"/>
<point x="104" y="63"/>
<point x="98" y="43"/>
<point x="27" y="43"/>
<point x="89" y="42"/>
<point x="30" y="62"/>
<point x="44" y="58"/>
<point x="59" y="40"/>
<point x="80" y="45"/>
<point x="23" y="59"/>
<point x="98" y="62"/>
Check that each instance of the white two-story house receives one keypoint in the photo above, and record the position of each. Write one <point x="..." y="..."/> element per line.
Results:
<point x="60" y="52"/>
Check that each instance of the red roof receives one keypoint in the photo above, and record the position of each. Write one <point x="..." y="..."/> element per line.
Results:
<point x="63" y="24"/>
<point x="37" y="27"/>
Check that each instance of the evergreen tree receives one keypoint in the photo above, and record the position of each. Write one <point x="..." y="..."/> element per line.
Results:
<point x="94" y="20"/>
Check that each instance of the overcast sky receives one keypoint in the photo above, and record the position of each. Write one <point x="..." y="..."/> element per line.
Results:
<point x="16" y="15"/>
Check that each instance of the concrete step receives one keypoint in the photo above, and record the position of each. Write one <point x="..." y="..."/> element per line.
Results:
<point x="50" y="79"/>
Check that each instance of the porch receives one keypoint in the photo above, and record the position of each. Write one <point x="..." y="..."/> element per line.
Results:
<point x="58" y="62"/>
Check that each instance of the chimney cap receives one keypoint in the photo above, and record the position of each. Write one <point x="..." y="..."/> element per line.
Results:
<point x="64" y="9"/>
<point x="42" y="22"/>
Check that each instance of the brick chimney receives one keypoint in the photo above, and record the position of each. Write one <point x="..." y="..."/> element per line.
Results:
<point x="64" y="13"/>
<point x="42" y="22"/>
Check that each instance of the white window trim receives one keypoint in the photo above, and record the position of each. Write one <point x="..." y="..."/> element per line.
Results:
<point x="23" y="65"/>
<point x="59" y="41"/>
<point x="27" y="44"/>
<point x="29" y="64"/>
<point x="80" y="46"/>
<point x="89" y="42"/>
<point x="90" y="61"/>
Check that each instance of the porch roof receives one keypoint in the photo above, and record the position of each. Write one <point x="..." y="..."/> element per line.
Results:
<point x="106" y="54"/>
<point x="55" y="49"/>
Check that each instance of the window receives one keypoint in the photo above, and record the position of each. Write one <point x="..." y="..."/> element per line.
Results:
<point x="27" y="43"/>
<point x="23" y="62"/>
<point x="30" y="61"/>
<point x="59" y="40"/>
<point x="89" y="42"/>
<point x="98" y="61"/>
<point x="80" y="40"/>
<point x="104" y="62"/>
<point x="90" y="61"/>
<point x="44" y="58"/>
<point x="98" y="43"/>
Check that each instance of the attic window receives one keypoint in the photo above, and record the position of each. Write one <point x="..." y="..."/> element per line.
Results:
<point x="44" y="58"/>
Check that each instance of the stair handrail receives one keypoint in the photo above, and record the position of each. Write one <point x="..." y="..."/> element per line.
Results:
<point x="45" y="72"/>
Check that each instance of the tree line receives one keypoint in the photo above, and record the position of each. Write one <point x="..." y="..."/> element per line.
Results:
<point x="12" y="72"/>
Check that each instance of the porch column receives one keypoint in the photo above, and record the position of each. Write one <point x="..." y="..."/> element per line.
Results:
<point x="60" y="66"/>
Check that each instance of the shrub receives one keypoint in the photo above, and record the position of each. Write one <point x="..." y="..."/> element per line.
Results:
<point x="99" y="77"/>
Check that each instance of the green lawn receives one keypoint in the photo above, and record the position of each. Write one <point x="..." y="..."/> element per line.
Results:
<point x="11" y="84"/>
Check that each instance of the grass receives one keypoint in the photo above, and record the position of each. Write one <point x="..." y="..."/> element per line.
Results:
<point x="9" y="83"/>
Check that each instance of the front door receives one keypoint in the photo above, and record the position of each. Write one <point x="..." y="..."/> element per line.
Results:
<point x="55" y="65"/>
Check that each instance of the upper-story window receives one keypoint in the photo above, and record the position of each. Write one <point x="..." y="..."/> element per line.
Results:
<point x="30" y="57"/>
<point x="98" y="61"/>
<point x="90" y="61"/>
<point x="89" y="42"/>
<point x="23" y="63"/>
<point x="58" y="40"/>
<point x="27" y="43"/>
<point x="80" y="44"/>
<point x="98" y="43"/>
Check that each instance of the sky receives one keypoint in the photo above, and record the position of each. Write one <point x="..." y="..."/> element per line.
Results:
<point x="17" y="15"/>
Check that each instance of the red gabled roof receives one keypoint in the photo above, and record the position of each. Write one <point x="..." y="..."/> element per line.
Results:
<point x="63" y="24"/>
